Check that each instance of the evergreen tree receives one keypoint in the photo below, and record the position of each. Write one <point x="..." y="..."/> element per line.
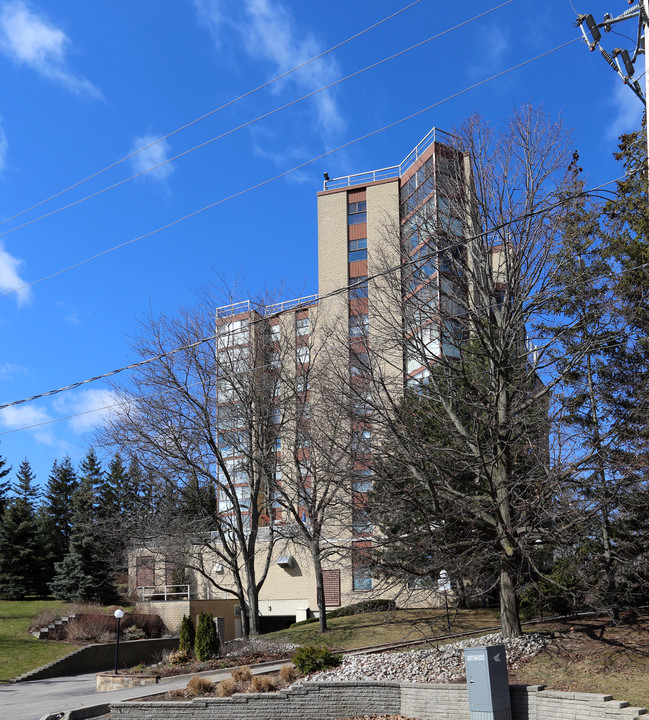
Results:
<point x="187" y="634"/>
<point x="61" y="486"/>
<point x="19" y="541"/>
<point x="207" y="643"/>
<point x="84" y="574"/>
<point x="4" y="486"/>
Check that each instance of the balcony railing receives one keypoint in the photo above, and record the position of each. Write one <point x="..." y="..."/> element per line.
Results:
<point x="165" y="593"/>
<point x="248" y="306"/>
<point x="387" y="173"/>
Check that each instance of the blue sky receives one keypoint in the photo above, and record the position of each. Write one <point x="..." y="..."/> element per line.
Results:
<point x="83" y="85"/>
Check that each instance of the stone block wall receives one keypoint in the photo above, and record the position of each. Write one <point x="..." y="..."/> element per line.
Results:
<point x="323" y="701"/>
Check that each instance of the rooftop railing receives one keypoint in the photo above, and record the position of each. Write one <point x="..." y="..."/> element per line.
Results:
<point x="394" y="171"/>
<point x="248" y="306"/>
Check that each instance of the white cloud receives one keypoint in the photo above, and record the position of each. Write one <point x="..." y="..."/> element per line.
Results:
<point x="492" y="46"/>
<point x="91" y="407"/>
<point x="30" y="39"/>
<point x="24" y="416"/>
<point x="4" y="146"/>
<point x="157" y="153"/>
<point x="10" y="278"/>
<point x="270" y="34"/>
<point x="628" y="109"/>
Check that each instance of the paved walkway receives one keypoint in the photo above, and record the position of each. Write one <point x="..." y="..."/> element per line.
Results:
<point x="33" y="699"/>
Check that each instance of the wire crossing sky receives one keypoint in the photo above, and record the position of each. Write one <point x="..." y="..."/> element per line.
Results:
<point x="83" y="86"/>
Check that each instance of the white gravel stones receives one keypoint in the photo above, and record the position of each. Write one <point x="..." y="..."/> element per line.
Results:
<point x="430" y="665"/>
<point x="232" y="648"/>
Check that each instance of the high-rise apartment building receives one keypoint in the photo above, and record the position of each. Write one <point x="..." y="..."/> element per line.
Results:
<point x="383" y="237"/>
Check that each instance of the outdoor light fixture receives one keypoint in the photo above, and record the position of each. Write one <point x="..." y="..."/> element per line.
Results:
<point x="119" y="614"/>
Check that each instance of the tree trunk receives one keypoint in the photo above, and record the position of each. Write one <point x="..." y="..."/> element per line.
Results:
<point x="509" y="620"/>
<point x="320" y="598"/>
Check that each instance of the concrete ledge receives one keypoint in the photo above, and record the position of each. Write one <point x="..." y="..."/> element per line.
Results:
<point x="324" y="701"/>
<point x="110" y="681"/>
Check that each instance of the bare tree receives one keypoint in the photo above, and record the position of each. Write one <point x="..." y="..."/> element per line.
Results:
<point x="312" y="494"/>
<point x="200" y="417"/>
<point x="464" y="465"/>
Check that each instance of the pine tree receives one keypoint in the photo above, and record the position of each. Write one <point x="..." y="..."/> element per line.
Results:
<point x="187" y="634"/>
<point x="4" y="485"/>
<point x="19" y="541"/>
<point x="84" y="574"/>
<point x="61" y="486"/>
<point x="207" y="643"/>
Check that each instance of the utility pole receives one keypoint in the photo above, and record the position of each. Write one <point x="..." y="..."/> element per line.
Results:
<point x="620" y="59"/>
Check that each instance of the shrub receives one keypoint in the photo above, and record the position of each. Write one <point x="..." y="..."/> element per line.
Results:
<point x="311" y="659"/>
<point x="46" y="617"/>
<point x="91" y="627"/>
<point x="178" y="694"/>
<point x="133" y="633"/>
<point x="152" y="625"/>
<point x="288" y="674"/>
<point x="180" y="657"/>
<point x="262" y="684"/>
<point x="187" y="634"/>
<point x="206" y="645"/>
<point x="226" y="688"/>
<point x="242" y="674"/>
<point x="367" y="606"/>
<point x="199" y="686"/>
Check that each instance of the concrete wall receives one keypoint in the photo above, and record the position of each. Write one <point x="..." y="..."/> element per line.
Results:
<point x="94" y="658"/>
<point x="323" y="701"/>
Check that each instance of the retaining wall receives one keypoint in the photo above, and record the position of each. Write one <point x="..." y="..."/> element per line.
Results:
<point x="95" y="658"/>
<point x="323" y="701"/>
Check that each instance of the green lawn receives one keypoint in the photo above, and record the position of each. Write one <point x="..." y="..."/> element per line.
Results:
<point x="19" y="651"/>
<point x="383" y="627"/>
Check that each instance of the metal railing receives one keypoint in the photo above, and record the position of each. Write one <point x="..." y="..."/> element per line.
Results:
<point x="248" y="306"/>
<point x="394" y="171"/>
<point x="163" y="592"/>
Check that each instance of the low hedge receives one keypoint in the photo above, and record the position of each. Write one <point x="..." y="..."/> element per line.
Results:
<point x="366" y="606"/>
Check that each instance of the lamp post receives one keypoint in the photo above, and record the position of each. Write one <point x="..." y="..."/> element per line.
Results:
<point x="119" y="614"/>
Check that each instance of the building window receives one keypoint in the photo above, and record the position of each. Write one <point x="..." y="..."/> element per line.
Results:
<point x="357" y="213"/>
<point x="234" y="333"/>
<point x="302" y="326"/>
<point x="358" y="249"/>
<point x="362" y="441"/>
<point x="275" y="332"/>
<point x="358" y="288"/>
<point x="359" y="325"/>
<point x="361" y="573"/>
<point x="303" y="354"/>
<point x="274" y="360"/>
<point x="302" y="384"/>
<point x="361" y="523"/>
<point x="362" y="482"/>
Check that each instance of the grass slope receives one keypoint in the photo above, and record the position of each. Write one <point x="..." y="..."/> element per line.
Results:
<point x="347" y="633"/>
<point x="19" y="651"/>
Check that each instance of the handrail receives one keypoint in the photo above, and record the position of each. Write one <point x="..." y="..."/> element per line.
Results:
<point x="392" y="171"/>
<point x="164" y="590"/>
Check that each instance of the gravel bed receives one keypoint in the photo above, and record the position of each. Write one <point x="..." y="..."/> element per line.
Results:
<point x="429" y="665"/>
<point x="234" y="648"/>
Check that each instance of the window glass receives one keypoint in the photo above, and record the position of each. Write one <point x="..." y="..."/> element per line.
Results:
<point x="355" y="255"/>
<point x="303" y="354"/>
<point x="358" y="288"/>
<point x="275" y="332"/>
<point x="302" y="326"/>
<point x="359" y="325"/>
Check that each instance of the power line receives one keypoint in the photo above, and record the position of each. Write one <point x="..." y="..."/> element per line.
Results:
<point x="288" y="172"/>
<point x="252" y="121"/>
<point x="214" y="111"/>
<point x="332" y="293"/>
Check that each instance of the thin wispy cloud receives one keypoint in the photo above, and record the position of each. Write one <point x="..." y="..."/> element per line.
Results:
<point x="628" y="111"/>
<point x="28" y="38"/>
<point x="10" y="277"/>
<point x="91" y="408"/>
<point x="9" y="371"/>
<point x="24" y="416"/>
<point x="491" y="50"/>
<point x="270" y="34"/>
<point x="153" y="156"/>
<point x="4" y="146"/>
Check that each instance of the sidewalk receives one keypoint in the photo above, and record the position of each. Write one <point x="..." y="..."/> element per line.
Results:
<point x="34" y="699"/>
